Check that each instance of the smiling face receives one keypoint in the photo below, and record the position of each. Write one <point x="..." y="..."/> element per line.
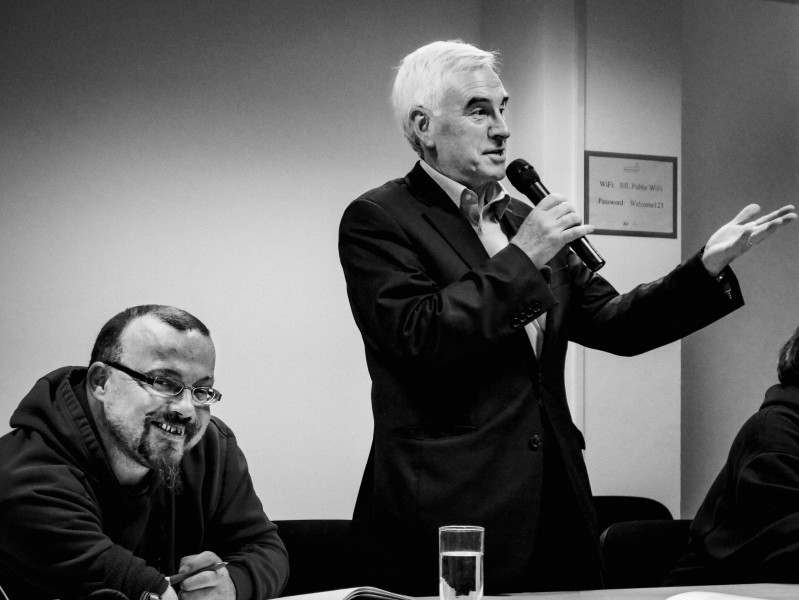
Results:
<point x="465" y="138"/>
<point x="141" y="429"/>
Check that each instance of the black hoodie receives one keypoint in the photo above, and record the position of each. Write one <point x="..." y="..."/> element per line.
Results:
<point x="67" y="527"/>
<point x="747" y="529"/>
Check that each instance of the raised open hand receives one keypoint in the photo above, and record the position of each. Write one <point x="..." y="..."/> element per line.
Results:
<point x="743" y="233"/>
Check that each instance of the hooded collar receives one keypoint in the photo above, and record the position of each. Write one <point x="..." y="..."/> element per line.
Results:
<point x="785" y="395"/>
<point x="57" y="410"/>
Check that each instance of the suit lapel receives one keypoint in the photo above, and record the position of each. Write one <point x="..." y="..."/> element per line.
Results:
<point x="513" y="216"/>
<point x="445" y="218"/>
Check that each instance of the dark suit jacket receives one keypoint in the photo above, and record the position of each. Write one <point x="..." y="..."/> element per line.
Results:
<point x="747" y="529"/>
<point x="457" y="391"/>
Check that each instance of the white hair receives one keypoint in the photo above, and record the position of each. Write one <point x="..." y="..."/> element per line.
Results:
<point x="420" y="80"/>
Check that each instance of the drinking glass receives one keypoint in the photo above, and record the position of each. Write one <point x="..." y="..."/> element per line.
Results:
<point x="460" y="566"/>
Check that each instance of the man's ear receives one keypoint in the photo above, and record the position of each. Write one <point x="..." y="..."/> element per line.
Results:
<point x="420" y="121"/>
<point x="96" y="379"/>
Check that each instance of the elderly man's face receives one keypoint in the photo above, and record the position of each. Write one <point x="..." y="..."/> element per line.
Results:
<point x="467" y="135"/>
<point x="149" y="429"/>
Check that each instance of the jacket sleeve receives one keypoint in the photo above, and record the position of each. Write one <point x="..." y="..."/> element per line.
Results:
<point x="407" y="307"/>
<point x="240" y="532"/>
<point x="755" y="529"/>
<point x="51" y="535"/>
<point x="651" y="314"/>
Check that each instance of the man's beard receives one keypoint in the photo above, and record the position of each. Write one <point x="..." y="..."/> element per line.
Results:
<point x="165" y="461"/>
<point x="164" y="458"/>
<point x="166" y="468"/>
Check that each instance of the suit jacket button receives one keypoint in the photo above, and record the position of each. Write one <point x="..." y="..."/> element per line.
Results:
<point x="534" y="442"/>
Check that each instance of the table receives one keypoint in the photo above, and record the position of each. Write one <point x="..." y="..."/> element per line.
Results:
<point x="765" y="591"/>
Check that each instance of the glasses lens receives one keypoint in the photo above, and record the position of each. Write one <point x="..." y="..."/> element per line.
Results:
<point x="206" y="395"/>
<point x="168" y="387"/>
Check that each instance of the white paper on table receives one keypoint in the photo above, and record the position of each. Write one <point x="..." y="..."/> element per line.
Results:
<point x="710" y="596"/>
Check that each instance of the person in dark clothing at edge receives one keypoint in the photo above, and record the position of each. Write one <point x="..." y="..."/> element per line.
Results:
<point x="747" y="528"/>
<point x="116" y="476"/>
<point x="466" y="300"/>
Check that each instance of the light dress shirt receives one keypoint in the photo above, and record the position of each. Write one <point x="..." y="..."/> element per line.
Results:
<point x="484" y="214"/>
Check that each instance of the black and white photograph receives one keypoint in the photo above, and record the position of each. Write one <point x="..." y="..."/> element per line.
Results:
<point x="370" y="299"/>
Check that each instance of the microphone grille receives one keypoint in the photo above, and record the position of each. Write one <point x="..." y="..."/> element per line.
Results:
<point x="521" y="173"/>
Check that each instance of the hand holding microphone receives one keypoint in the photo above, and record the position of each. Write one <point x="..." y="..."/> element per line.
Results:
<point x="553" y="223"/>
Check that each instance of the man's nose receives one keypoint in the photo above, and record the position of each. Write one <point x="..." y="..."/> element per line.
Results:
<point x="183" y="403"/>
<point x="499" y="128"/>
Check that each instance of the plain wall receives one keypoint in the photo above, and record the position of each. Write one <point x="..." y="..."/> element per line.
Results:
<point x="632" y="106"/>
<point x="740" y="145"/>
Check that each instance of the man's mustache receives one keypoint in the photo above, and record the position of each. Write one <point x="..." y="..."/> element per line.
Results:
<point x="174" y="418"/>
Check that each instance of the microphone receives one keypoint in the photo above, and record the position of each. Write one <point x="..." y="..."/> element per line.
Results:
<point x="525" y="179"/>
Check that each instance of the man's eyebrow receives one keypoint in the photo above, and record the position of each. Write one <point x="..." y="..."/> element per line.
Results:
<point x="172" y="374"/>
<point x="478" y="100"/>
<point x="484" y="100"/>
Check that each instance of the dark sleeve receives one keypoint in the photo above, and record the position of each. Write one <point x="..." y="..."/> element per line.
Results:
<point x="759" y="532"/>
<point x="51" y="536"/>
<point x="747" y="528"/>
<point x="651" y="314"/>
<point x="768" y="493"/>
<point x="241" y="533"/>
<point x="407" y="307"/>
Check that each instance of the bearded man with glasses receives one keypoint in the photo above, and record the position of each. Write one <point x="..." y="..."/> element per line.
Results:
<point x="117" y="475"/>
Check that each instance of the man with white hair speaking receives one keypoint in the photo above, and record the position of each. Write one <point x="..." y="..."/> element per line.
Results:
<point x="466" y="300"/>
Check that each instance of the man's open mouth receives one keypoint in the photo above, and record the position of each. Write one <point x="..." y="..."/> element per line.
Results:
<point x="173" y="429"/>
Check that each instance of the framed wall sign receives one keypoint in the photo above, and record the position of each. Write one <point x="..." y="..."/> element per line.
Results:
<point x="631" y="194"/>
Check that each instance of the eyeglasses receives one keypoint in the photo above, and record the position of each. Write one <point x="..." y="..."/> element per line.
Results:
<point x="163" y="386"/>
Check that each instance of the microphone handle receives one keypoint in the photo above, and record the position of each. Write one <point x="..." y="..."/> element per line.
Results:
<point x="587" y="253"/>
<point x="581" y="246"/>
